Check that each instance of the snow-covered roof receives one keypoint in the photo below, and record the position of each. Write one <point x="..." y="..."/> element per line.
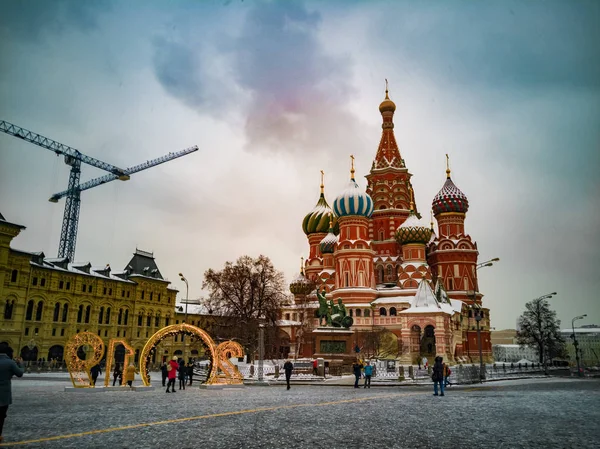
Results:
<point x="425" y="302"/>
<point x="288" y="323"/>
<point x="393" y="300"/>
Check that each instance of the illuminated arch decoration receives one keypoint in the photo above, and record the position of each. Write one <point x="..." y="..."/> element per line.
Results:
<point x="110" y="354"/>
<point x="230" y="374"/>
<point x="170" y="331"/>
<point x="79" y="370"/>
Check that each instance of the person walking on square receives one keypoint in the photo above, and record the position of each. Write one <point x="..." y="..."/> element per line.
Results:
<point x="182" y="372"/>
<point x="95" y="371"/>
<point x="130" y="375"/>
<point x="438" y="376"/>
<point x="165" y="373"/>
<point x="117" y="373"/>
<point x="8" y="369"/>
<point x="172" y="374"/>
<point x="288" y="367"/>
<point x="315" y="367"/>
<point x="447" y="373"/>
<point x="368" y="374"/>
<point x="190" y="372"/>
<point x="356" y="370"/>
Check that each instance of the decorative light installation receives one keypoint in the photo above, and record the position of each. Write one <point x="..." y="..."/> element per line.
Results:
<point x="230" y="374"/>
<point x="79" y="370"/>
<point x="129" y="352"/>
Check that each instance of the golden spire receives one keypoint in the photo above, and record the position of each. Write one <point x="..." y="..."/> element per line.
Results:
<point x="302" y="266"/>
<point x="386" y="90"/>
<point x="330" y="220"/>
<point x="412" y="198"/>
<point x="447" y="166"/>
<point x="322" y="182"/>
<point x="352" y="169"/>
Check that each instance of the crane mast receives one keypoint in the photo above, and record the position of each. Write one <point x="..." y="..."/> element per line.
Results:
<point x="74" y="158"/>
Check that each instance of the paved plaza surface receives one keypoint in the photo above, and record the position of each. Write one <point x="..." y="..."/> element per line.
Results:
<point x="531" y="413"/>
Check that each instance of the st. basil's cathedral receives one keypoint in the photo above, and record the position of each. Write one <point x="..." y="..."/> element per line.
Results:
<point x="391" y="271"/>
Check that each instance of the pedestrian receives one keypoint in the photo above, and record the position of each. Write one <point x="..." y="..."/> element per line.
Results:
<point x="315" y="367"/>
<point x="288" y="367"/>
<point x="356" y="370"/>
<point x="368" y="374"/>
<point x="438" y="376"/>
<point x="95" y="371"/>
<point x="190" y="372"/>
<point x="117" y="373"/>
<point x="172" y="374"/>
<point x="130" y="375"/>
<point x="182" y="372"/>
<point x="447" y="372"/>
<point x="8" y="369"/>
<point x="165" y="373"/>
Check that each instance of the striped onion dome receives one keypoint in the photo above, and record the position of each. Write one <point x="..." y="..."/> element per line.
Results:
<point x="413" y="231"/>
<point x="450" y="199"/>
<point x="301" y="285"/>
<point x="353" y="201"/>
<point x="317" y="220"/>
<point x="327" y="245"/>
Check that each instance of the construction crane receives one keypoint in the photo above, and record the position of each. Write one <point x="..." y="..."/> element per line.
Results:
<point x="74" y="158"/>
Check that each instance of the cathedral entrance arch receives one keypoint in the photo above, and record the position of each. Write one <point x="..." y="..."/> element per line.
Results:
<point x="171" y="331"/>
<point x="428" y="341"/>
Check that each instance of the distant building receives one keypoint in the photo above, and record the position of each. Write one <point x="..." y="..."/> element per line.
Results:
<point x="504" y="337"/>
<point x="514" y="353"/>
<point x="588" y="338"/>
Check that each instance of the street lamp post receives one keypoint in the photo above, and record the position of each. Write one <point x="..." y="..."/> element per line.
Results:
<point x="187" y="291"/>
<point x="576" y="343"/>
<point x="479" y="317"/>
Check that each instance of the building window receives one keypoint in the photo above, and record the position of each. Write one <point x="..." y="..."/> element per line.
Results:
<point x="156" y="321"/>
<point x="346" y="279"/>
<point x="124" y="333"/>
<point x="61" y="285"/>
<point x="122" y="293"/>
<point x="83" y="288"/>
<point x="169" y="300"/>
<point x="29" y="312"/>
<point x="88" y="310"/>
<point x="43" y="282"/>
<point x="166" y="321"/>
<point x="106" y="333"/>
<point x="393" y="311"/>
<point x="148" y="321"/>
<point x="367" y="313"/>
<point x="39" y="311"/>
<point x="159" y="296"/>
<point x="65" y="314"/>
<point x="104" y="291"/>
<point x="101" y="315"/>
<point x="382" y="311"/>
<point x="358" y="312"/>
<point x="62" y="332"/>
<point x="8" y="309"/>
<point x="54" y="332"/>
<point x="26" y="331"/>
<point x="34" y="281"/>
<point x="107" y="316"/>
<point x="13" y="276"/>
<point x="68" y="286"/>
<point x="128" y="294"/>
<point x="80" y="314"/>
<point x="380" y="275"/>
<point x="35" y="331"/>
<point x="118" y="333"/>
<point x="120" y="317"/>
<point x="381" y="235"/>
<point x="99" y="332"/>
<point x="151" y="295"/>
<point x="110" y="292"/>
<point x="138" y="334"/>
<point x="56" y="312"/>
<point x="140" y="318"/>
<point x="89" y="289"/>
<point x="143" y="294"/>
<point x="126" y="317"/>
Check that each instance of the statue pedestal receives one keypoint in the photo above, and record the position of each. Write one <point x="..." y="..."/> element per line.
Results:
<point x="334" y="344"/>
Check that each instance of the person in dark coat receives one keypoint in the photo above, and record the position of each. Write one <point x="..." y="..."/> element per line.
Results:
<point x="8" y="369"/>
<point x="181" y="374"/>
<point x="438" y="376"/>
<point x="95" y="371"/>
<point x="117" y="374"/>
<point x="288" y="367"/>
<point x="165" y="373"/>
<point x="356" y="369"/>
<point x="190" y="372"/>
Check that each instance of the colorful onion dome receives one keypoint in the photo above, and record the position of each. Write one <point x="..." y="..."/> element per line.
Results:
<point x="327" y="245"/>
<point x="301" y="285"/>
<point x="450" y="198"/>
<point x="387" y="105"/>
<point x="413" y="231"/>
<point x="353" y="201"/>
<point x="317" y="220"/>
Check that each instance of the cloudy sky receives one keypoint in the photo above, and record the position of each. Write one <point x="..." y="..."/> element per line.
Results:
<point x="272" y="92"/>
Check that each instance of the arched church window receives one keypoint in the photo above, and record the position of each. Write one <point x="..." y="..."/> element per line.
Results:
<point x="8" y="309"/>
<point x="367" y="313"/>
<point x="392" y="311"/>
<point x="358" y="312"/>
<point x="56" y="312"/>
<point x="39" y="311"/>
<point x="382" y="311"/>
<point x="381" y="234"/>
<point x="65" y="314"/>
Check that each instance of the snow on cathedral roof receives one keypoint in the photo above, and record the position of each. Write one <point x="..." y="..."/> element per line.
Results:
<point x="425" y="302"/>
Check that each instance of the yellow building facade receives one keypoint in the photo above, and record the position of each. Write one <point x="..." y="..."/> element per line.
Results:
<point x="45" y="301"/>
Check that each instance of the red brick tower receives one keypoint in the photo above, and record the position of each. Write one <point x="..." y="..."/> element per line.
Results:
<point x="388" y="184"/>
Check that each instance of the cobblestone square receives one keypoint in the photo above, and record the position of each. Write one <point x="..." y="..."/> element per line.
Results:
<point x="544" y="413"/>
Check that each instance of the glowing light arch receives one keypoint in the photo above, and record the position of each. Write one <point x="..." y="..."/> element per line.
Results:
<point x="177" y="329"/>
<point x="79" y="370"/>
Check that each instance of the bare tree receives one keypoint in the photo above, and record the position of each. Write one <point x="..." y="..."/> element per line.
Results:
<point x="540" y="329"/>
<point x="251" y="292"/>
<point x="378" y="342"/>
